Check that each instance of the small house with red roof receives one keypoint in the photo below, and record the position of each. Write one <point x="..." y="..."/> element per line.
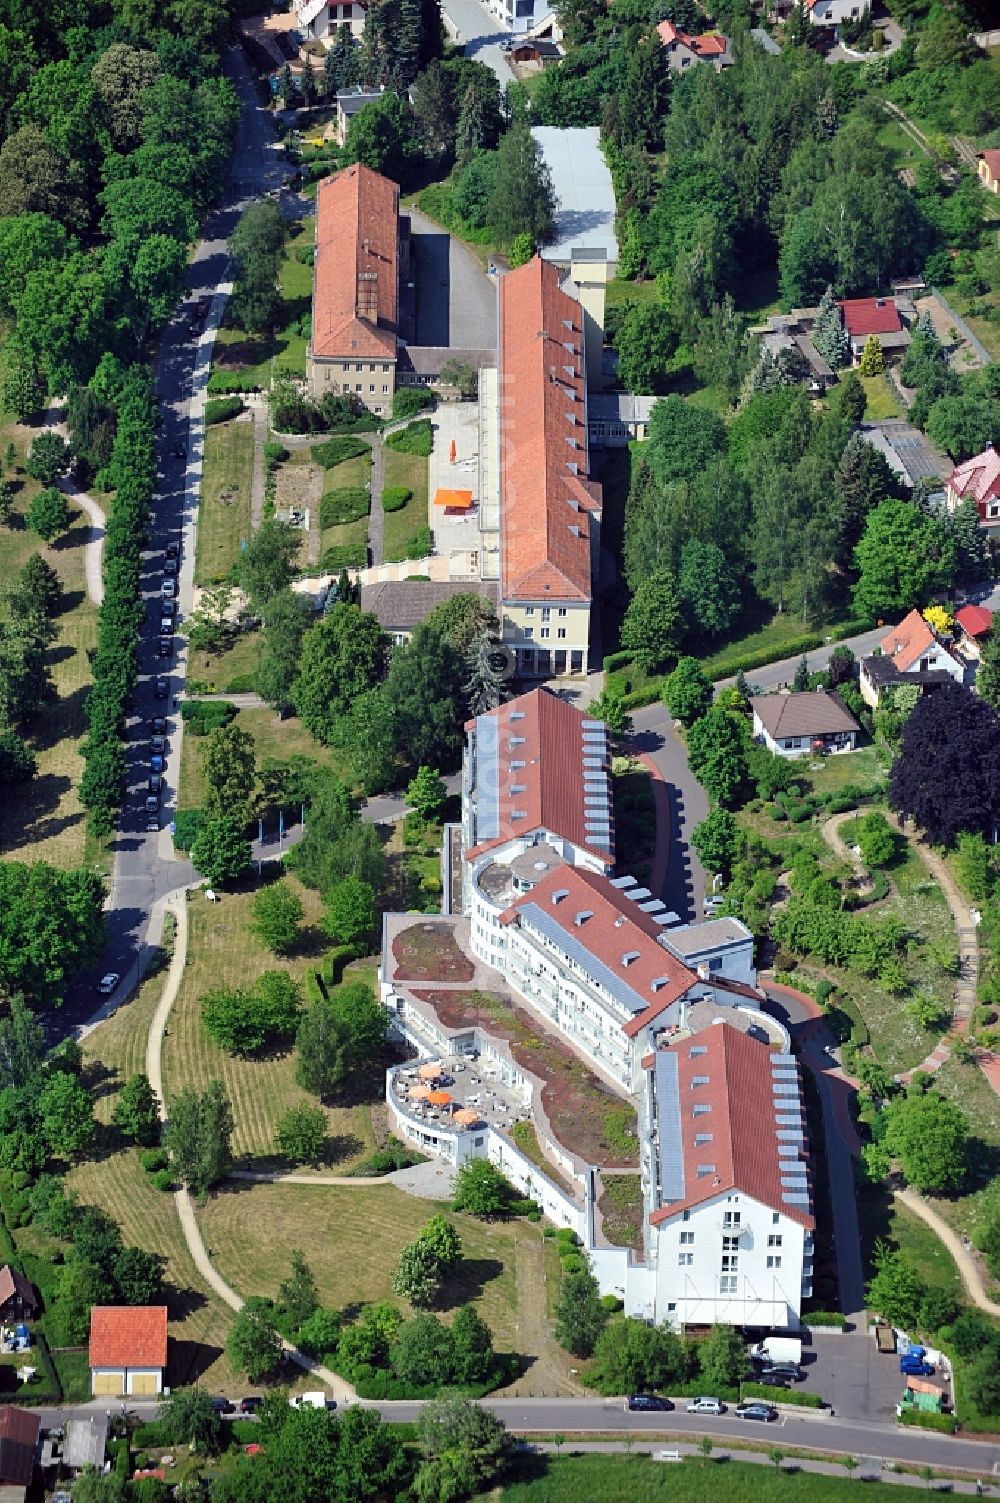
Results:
<point x="911" y="653"/>
<point x="973" y="624"/>
<point x="978" y="479"/>
<point x="683" y="49"/>
<point x="864" y="316"/>
<point x="128" y="1350"/>
<point x="729" y="1195"/>
<point x="989" y="170"/>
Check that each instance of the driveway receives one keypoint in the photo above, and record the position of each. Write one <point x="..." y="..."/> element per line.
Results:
<point x="456" y="299"/>
<point x="684" y="890"/>
<point x="479" y="34"/>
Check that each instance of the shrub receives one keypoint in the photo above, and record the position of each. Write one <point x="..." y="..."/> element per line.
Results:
<point x="221" y="409"/>
<point x="395" y="497"/>
<point x="338" y="507"/>
<point x="152" y="1159"/>
<point x="187" y="824"/>
<point x="420" y="544"/>
<point x="611" y="1302"/>
<point x="786" y="1396"/>
<point x="275" y="453"/>
<point x="409" y="400"/>
<point x="204" y="715"/>
<point x="334" y="451"/>
<point x="927" y="1420"/>
<point x="824" y="1318"/>
<point x="572" y="1263"/>
<point x="417" y="438"/>
<point x="162" y="1180"/>
<point x="343" y="556"/>
<point x="220" y="382"/>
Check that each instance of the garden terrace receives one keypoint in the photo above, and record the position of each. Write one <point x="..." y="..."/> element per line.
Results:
<point x="584" y="1114"/>
<point x="621" y="1211"/>
<point x="429" y="952"/>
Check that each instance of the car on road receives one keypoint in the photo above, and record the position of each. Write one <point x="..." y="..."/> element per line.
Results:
<point x="221" y="1406"/>
<point x="164" y="648"/>
<point x="159" y="729"/>
<point x="155" y="783"/>
<point x="156" y="762"/>
<point x="644" y="1401"/>
<point x="174" y="549"/>
<point x="756" y="1411"/>
<point x="152" y="804"/>
<point x="915" y="1367"/>
<point x="166" y="626"/>
<point x="169" y="565"/>
<point x="706" y="1406"/>
<point x="158" y="744"/>
<point x="251" y="1405"/>
<point x="152" y="823"/>
<point x="161" y="688"/>
<point x="107" y="983"/>
<point x="167" y="588"/>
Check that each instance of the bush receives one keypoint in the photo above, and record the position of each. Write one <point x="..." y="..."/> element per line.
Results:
<point x="221" y="409"/>
<point x="925" y="1420"/>
<point x="417" y="438"/>
<point x="275" y="453"/>
<point x="155" y="1433"/>
<point x="782" y="1396"/>
<point x="824" y="1318"/>
<point x="162" y="1180"/>
<point x="334" y="451"/>
<point x="420" y="544"/>
<point x="611" y="1302"/>
<point x="395" y="497"/>
<point x="343" y="556"/>
<point x="409" y="400"/>
<point x="187" y="824"/>
<point x="153" y="1159"/>
<point x="204" y="715"/>
<point x="338" y="507"/>
<point x="220" y="382"/>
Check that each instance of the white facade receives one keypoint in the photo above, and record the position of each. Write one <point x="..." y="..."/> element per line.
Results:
<point x="804" y="745"/>
<point x="518" y="16"/>
<point x="125" y="1381"/>
<point x="324" y="18"/>
<point x="832" y="12"/>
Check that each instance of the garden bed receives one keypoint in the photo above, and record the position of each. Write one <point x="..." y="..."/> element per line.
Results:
<point x="620" y="1205"/>
<point x="429" y="952"/>
<point x="585" y="1115"/>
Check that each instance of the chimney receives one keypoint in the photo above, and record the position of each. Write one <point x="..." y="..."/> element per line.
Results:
<point x="703" y="970"/>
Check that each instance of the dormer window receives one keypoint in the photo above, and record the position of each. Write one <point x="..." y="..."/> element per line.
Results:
<point x="629" y="957"/>
<point x="581" y="918"/>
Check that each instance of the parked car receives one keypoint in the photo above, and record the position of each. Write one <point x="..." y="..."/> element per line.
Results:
<point x="221" y="1406"/>
<point x="166" y="626"/>
<point x="152" y="823"/>
<point x="156" y="762"/>
<point x="159" y="727"/>
<point x="706" y="1406"/>
<point x="647" y="1401"/>
<point x="915" y="1367"/>
<point x="787" y="1370"/>
<point x="251" y="1405"/>
<point x="756" y="1411"/>
<point x="161" y="688"/>
<point x="155" y="783"/>
<point x="164" y="648"/>
<point x="169" y="565"/>
<point x="773" y="1380"/>
<point x="174" y="549"/>
<point x="152" y="804"/>
<point x="107" y="983"/>
<point x="167" y="588"/>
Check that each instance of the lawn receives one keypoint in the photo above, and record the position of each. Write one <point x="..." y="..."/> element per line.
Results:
<point x="352" y="1237"/>
<point x="639" y="1479"/>
<point x="881" y="400"/>
<point x="353" y="473"/>
<point x="220" y="673"/>
<point x="224" y="513"/>
<point x="968" y="1086"/>
<point x="291" y="340"/>
<point x="223" y="953"/>
<point x="274" y="740"/>
<point x="862" y="769"/>
<point x="116" y="1182"/>
<point x="621" y="290"/>
<point x="401" y="527"/>
<point x="46" y="815"/>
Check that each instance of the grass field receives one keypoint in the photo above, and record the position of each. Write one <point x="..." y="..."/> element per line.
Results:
<point x="237" y="662"/>
<point x="881" y="400"/>
<point x="224" y="513"/>
<point x="116" y="1182"/>
<point x="46" y="814"/>
<point x="352" y="473"/>
<point x="296" y="289"/>
<point x="967" y="1085"/>
<point x="402" y="526"/>
<point x="639" y="1479"/>
<point x="223" y="953"/>
<point x="274" y="739"/>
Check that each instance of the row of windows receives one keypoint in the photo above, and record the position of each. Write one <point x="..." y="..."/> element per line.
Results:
<point x="545" y="633"/>
<point x="529" y="610"/>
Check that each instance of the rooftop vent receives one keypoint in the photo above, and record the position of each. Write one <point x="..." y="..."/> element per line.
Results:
<point x="658" y="983"/>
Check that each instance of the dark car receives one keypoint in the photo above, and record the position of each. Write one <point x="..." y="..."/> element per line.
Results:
<point x="221" y="1406"/>
<point x="161" y="688"/>
<point x="159" y="726"/>
<point x="251" y="1405"/>
<point x="773" y="1380"/>
<point x="152" y="804"/>
<point x="164" y="648"/>
<point x="157" y="744"/>
<point x="647" y="1401"/>
<point x="152" y="823"/>
<point x="170" y="564"/>
<point x="174" y="549"/>
<point x="756" y="1411"/>
<point x="915" y="1367"/>
<point x="156" y="783"/>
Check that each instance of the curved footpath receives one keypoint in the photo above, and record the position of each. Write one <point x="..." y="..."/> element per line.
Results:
<point x="176" y="904"/>
<point x="93" y="554"/>
<point x="966" y="1265"/>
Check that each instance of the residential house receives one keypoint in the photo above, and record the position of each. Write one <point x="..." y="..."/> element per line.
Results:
<point x="833" y="12"/>
<point x="864" y="316"/>
<point x="793" y="331"/>
<point x="535" y="50"/>
<point x="18" y="1300"/>
<point x="795" y="725"/>
<point x="85" y="1442"/>
<point x="617" y="418"/>
<point x="550" y="509"/>
<point x="728" y="1191"/>
<point x="18" y="1446"/>
<point x="362" y="252"/>
<point x="978" y="478"/>
<point x="128" y="1350"/>
<point x="909" y="454"/>
<point x="683" y="49"/>
<point x="535" y="16"/>
<point x="973" y="624"/>
<point x="319" y="19"/>
<point x="989" y="170"/>
<point x="349" y="103"/>
<point x="400" y="605"/>
<point x="911" y="653"/>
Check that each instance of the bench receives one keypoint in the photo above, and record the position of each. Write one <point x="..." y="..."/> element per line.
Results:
<point x="669" y="1456"/>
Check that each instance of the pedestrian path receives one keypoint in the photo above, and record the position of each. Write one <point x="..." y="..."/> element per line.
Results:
<point x="966" y="1264"/>
<point x="93" y="554"/>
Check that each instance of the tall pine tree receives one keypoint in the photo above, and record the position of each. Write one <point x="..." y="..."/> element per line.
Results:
<point x="829" y="334"/>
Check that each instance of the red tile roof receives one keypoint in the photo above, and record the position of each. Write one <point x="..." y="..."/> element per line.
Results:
<point x="743" y="1149"/>
<point x="708" y="44"/>
<point x="544" y="490"/>
<point x="18" y="1440"/>
<point x="355" y="289"/>
<point x="615" y="931"/>
<point x="12" y="1282"/>
<point x="978" y="477"/>
<point x="546" y="734"/>
<point x="128" y="1336"/>
<point x="870" y="315"/>
<point x="975" y="620"/>
<point x="906" y="643"/>
<point x="992" y="160"/>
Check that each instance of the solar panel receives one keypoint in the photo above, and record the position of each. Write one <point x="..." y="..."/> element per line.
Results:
<point x="668" y="1123"/>
<point x="487" y="778"/>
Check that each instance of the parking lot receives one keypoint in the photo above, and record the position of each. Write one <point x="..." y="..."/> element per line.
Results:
<point x="854" y="1378"/>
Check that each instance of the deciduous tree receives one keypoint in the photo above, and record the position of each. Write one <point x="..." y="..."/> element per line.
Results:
<point x="221" y="851"/>
<point x="301" y="1134"/>
<point x="688" y="691"/>
<point x="579" y="1315"/>
<point x="480" y="1190"/>
<point x="928" y="1134"/>
<point x="947" y="773"/>
<point x="230" y="773"/>
<point x="653" y="624"/>
<point x="253" y="1343"/>
<point x="136" y="1112"/>
<point x="350" y="914"/>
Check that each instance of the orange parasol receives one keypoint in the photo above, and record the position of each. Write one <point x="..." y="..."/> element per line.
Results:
<point x="429" y="1072"/>
<point x="466" y="1116"/>
<point x="439" y="1098"/>
<point x="419" y="1092"/>
<point x="453" y="500"/>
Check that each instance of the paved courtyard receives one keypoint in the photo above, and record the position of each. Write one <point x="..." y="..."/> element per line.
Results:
<point x="458" y="423"/>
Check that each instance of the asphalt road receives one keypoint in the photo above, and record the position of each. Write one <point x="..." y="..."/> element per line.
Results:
<point x="142" y="873"/>
<point x="456" y="299"/>
<point x="480" y="34"/>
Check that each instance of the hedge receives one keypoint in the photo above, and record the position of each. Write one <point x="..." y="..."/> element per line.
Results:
<point x="333" y="451"/>
<point x="824" y="1318"/>
<point x="334" y="962"/>
<point x="411" y="399"/>
<point x="222" y="382"/>
<point x="395" y="497"/>
<point x="925" y="1419"/>
<point x="187" y="823"/>
<point x="343" y="556"/>
<point x="222" y="409"/>
<point x="417" y="438"/>
<point x="617" y="660"/>
<point x="781" y="1395"/>
<point x="349" y="504"/>
<point x="204" y="715"/>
